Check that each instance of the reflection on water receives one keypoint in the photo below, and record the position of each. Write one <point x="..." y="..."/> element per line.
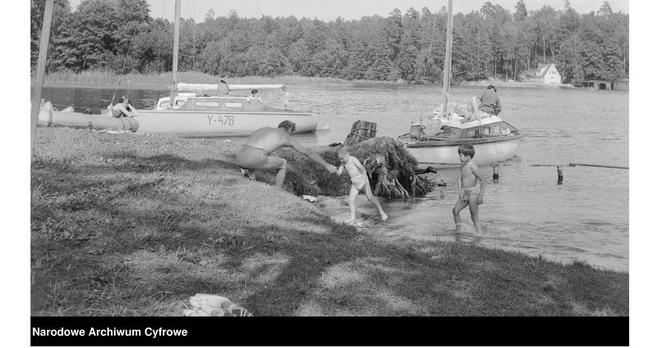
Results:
<point x="586" y="218"/>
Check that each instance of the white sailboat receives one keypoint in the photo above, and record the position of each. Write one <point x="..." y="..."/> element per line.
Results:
<point x="191" y="114"/>
<point x="494" y="139"/>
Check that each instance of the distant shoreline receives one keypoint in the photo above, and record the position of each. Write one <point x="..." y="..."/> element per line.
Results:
<point x="162" y="81"/>
<point x="99" y="79"/>
<point x="514" y="84"/>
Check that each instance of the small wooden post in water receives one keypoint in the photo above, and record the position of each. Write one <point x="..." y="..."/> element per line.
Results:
<point x="559" y="169"/>
<point x="495" y="174"/>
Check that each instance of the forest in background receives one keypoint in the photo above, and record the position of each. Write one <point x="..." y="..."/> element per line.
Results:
<point x="120" y="36"/>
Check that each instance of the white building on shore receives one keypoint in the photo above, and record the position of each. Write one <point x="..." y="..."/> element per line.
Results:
<point x="545" y="73"/>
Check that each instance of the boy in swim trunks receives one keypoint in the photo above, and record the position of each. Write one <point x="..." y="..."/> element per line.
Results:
<point x="468" y="193"/>
<point x="256" y="152"/>
<point x="359" y="182"/>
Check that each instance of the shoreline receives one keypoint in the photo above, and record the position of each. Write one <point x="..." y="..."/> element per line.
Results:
<point x="96" y="79"/>
<point x="162" y="81"/>
<point x="100" y="80"/>
<point x="161" y="218"/>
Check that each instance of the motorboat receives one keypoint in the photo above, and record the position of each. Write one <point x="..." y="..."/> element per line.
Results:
<point x="218" y="116"/>
<point x="436" y="143"/>
<point x="193" y="116"/>
<point x="196" y="110"/>
<point x="494" y="141"/>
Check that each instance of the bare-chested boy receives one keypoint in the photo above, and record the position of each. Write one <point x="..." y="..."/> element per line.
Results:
<point x="359" y="181"/>
<point x="468" y="193"/>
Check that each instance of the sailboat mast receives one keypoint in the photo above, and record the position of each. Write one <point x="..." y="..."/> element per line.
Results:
<point x="448" y="58"/>
<point x="176" y="44"/>
<point x="41" y="67"/>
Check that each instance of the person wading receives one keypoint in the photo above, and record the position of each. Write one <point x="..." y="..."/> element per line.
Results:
<point x="256" y="152"/>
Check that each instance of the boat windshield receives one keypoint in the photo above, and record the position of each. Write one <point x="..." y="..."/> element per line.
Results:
<point x="496" y="129"/>
<point x="223" y="104"/>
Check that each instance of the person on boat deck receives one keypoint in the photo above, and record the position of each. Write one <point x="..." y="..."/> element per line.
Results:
<point x="256" y="152"/>
<point x="254" y="94"/>
<point x="489" y="101"/>
<point x="463" y="112"/>
<point x="477" y="108"/>
<point x="222" y="88"/>
<point x="123" y="108"/>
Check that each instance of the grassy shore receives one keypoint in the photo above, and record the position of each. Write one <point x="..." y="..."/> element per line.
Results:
<point x="126" y="224"/>
<point x="101" y="79"/>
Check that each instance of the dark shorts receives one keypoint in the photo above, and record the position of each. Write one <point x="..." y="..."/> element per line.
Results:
<point x="251" y="157"/>
<point x="488" y="109"/>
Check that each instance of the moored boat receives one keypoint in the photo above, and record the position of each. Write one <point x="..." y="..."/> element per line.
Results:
<point x="200" y="116"/>
<point x="195" y="117"/>
<point x="494" y="141"/>
<point x="48" y="117"/>
<point x="193" y="113"/>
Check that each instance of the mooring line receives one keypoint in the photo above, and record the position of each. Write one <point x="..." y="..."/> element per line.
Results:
<point x="579" y="165"/>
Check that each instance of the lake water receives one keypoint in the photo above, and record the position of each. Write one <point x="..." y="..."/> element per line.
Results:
<point x="586" y="218"/>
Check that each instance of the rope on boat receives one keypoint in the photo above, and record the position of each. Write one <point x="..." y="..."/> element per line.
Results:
<point x="123" y="67"/>
<point x="596" y="165"/>
<point x="559" y="168"/>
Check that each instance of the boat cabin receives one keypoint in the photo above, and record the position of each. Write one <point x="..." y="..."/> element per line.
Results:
<point x="180" y="99"/>
<point x="493" y="129"/>
<point x="487" y="128"/>
<point x="225" y="104"/>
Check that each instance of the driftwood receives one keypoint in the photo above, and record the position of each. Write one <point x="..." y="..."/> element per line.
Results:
<point x="390" y="167"/>
<point x="361" y="131"/>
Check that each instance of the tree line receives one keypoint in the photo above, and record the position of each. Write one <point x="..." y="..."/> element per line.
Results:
<point x="120" y="36"/>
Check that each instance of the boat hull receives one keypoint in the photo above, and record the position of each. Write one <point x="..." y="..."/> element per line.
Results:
<point x="487" y="151"/>
<point x="182" y="124"/>
<point x="218" y="124"/>
<point x="50" y="118"/>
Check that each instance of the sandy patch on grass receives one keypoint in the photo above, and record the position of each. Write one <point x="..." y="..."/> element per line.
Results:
<point x="154" y="268"/>
<point x="461" y="289"/>
<point x="340" y="275"/>
<point x="484" y="266"/>
<point x="264" y="269"/>
<point x="582" y="310"/>
<point x="286" y="211"/>
<point x="399" y="304"/>
<point x="309" y="309"/>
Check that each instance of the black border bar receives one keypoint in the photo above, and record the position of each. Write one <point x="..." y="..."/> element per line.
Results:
<point x="339" y="331"/>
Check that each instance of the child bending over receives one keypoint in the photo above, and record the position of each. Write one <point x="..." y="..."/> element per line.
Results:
<point x="468" y="195"/>
<point x="359" y="182"/>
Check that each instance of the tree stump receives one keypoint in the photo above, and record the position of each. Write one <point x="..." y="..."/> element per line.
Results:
<point x="361" y="131"/>
<point x="390" y="167"/>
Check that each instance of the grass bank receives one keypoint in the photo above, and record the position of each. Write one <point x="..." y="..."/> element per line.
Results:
<point x="124" y="224"/>
<point x="102" y="79"/>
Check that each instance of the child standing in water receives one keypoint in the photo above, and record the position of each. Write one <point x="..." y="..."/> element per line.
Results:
<point x="468" y="195"/>
<point x="359" y="182"/>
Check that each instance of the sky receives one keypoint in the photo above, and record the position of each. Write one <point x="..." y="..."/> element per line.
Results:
<point x="328" y="10"/>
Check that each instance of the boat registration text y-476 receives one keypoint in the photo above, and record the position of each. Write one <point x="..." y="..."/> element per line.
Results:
<point x="224" y="120"/>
